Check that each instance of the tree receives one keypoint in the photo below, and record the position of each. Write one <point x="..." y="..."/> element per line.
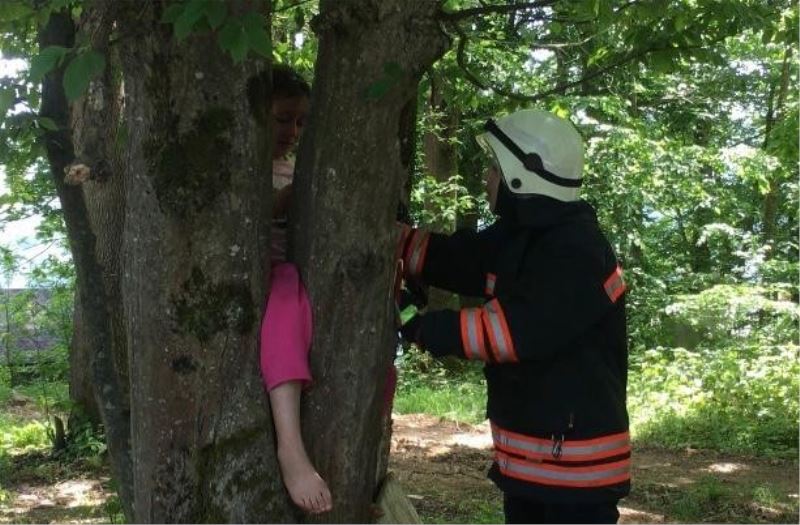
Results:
<point x="171" y="287"/>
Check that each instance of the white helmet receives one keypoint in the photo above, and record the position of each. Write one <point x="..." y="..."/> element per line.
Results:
<point x="537" y="153"/>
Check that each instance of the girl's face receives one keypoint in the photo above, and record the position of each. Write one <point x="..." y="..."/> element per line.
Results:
<point x="288" y="118"/>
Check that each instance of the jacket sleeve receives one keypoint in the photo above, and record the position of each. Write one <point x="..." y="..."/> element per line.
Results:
<point x="451" y="262"/>
<point x="559" y="300"/>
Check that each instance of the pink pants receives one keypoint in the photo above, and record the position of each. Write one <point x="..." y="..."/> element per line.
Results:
<point x="286" y="329"/>
<point x="286" y="334"/>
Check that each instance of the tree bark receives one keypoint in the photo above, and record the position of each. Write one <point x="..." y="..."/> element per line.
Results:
<point x="96" y="121"/>
<point x="194" y="246"/>
<point x="170" y="240"/>
<point x="81" y="388"/>
<point x="349" y="173"/>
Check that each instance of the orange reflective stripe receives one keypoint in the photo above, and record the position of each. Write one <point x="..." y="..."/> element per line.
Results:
<point x="615" y="285"/>
<point x="494" y="321"/>
<point x="472" y="338"/>
<point x="570" y="450"/>
<point x="491" y="279"/>
<point x="554" y="475"/>
<point x="415" y="253"/>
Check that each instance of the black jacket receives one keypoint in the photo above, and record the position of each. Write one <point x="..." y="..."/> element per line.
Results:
<point x="556" y="390"/>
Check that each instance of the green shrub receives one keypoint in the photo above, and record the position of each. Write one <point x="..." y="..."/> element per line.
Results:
<point x="25" y="436"/>
<point x="734" y="399"/>
<point x="726" y="375"/>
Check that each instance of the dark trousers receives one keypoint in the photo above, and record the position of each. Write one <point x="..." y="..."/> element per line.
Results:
<point x="521" y="510"/>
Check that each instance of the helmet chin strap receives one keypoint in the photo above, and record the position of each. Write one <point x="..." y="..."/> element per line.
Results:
<point x="531" y="161"/>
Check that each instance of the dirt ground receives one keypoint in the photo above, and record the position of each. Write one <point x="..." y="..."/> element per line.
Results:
<point x="442" y="467"/>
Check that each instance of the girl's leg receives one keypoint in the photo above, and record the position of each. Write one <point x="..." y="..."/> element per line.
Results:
<point x="285" y="341"/>
<point x="307" y="489"/>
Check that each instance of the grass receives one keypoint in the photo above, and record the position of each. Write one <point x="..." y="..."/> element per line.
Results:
<point x="465" y="511"/>
<point x="451" y="389"/>
<point x="26" y="458"/>
<point x="462" y="402"/>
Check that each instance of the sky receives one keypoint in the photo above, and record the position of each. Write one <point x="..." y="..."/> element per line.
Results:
<point x="20" y="236"/>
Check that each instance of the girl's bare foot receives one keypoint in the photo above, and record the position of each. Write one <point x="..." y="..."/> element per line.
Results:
<point x="306" y="487"/>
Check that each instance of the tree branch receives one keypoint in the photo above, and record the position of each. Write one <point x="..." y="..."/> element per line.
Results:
<point x="454" y="16"/>
<point x="290" y="6"/>
<point x="474" y="79"/>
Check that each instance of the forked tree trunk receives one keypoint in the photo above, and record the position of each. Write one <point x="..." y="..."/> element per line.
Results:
<point x="195" y="242"/>
<point x="348" y="181"/>
<point x="171" y="240"/>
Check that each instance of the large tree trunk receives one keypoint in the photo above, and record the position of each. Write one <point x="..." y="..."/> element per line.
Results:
<point x="60" y="31"/>
<point x="96" y="122"/>
<point x="170" y="241"/>
<point x="349" y="175"/>
<point x="195" y="242"/>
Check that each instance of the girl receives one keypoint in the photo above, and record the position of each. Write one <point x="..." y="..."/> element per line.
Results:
<point x="286" y="328"/>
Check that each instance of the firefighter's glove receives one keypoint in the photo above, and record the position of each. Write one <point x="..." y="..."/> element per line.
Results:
<point x="411" y="329"/>
<point x="418" y="295"/>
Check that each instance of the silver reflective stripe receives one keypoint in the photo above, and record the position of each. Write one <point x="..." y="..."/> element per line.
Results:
<point x="504" y="441"/>
<point x="503" y="353"/>
<point x="593" y="449"/>
<point x="530" y="470"/>
<point x="473" y="333"/>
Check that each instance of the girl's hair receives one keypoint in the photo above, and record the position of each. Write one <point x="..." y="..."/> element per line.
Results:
<point x="286" y="83"/>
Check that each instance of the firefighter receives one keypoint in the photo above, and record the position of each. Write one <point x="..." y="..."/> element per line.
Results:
<point x="552" y="329"/>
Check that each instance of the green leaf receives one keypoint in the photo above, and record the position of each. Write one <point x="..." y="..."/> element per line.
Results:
<point x="80" y="72"/>
<point x="379" y="88"/>
<point x="257" y="36"/>
<point x="216" y="12"/>
<point x="11" y="10"/>
<point x="392" y="73"/>
<point x="191" y="14"/>
<point x="299" y="18"/>
<point x="680" y="23"/>
<point x="767" y="34"/>
<point x="7" y="98"/>
<point x="171" y="13"/>
<point x="47" y="123"/>
<point x="233" y="39"/>
<point x="47" y="59"/>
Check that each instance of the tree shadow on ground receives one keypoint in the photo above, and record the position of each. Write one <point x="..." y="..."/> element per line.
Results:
<point x="42" y="488"/>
